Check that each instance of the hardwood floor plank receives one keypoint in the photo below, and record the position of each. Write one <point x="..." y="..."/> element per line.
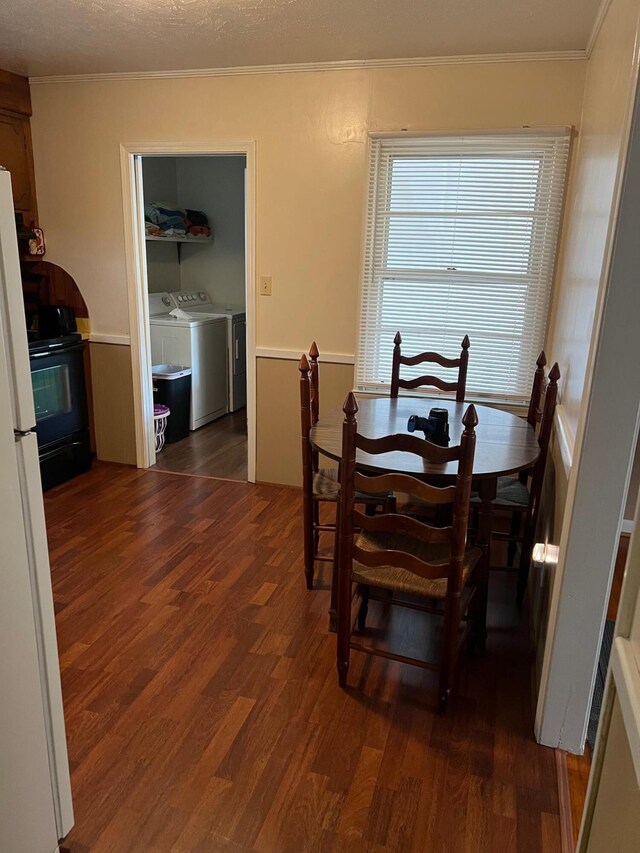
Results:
<point x="218" y="449"/>
<point x="201" y="697"/>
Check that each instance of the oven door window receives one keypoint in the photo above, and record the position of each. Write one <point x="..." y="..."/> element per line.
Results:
<point x="51" y="392"/>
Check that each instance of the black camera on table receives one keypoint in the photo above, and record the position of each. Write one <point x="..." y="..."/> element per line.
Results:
<point x="435" y="427"/>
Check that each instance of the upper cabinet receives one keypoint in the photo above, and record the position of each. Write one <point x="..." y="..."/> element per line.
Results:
<point x="16" y="153"/>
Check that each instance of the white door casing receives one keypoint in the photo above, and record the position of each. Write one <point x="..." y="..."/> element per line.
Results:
<point x="131" y="172"/>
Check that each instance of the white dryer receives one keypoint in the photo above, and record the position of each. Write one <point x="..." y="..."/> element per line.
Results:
<point x="195" y="341"/>
<point x="199" y="303"/>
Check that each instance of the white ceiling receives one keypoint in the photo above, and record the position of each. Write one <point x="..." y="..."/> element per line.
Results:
<point x="45" y="37"/>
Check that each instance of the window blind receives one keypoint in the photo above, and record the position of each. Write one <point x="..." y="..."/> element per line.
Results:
<point x="461" y="239"/>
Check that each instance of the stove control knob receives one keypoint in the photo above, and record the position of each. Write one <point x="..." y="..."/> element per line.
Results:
<point x="202" y="296"/>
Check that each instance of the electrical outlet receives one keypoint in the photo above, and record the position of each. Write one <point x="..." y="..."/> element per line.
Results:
<point x="265" y="285"/>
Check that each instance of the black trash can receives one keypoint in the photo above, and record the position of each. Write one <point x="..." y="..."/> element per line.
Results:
<point x="172" y="388"/>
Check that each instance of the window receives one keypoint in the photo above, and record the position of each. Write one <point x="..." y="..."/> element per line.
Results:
<point x="461" y="239"/>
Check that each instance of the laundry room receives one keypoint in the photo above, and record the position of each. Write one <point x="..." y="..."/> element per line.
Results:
<point x="194" y="224"/>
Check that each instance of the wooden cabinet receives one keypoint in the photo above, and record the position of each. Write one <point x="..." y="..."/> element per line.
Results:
<point x="16" y="155"/>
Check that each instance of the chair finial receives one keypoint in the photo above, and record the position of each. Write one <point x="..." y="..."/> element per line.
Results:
<point x="554" y="373"/>
<point x="542" y="359"/>
<point x="398" y="339"/>
<point x="466" y="343"/>
<point x="470" y="418"/>
<point x="303" y="366"/>
<point x="313" y="351"/>
<point x="350" y="406"/>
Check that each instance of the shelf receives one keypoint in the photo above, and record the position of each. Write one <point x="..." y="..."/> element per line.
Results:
<point x="151" y="239"/>
<point x="179" y="241"/>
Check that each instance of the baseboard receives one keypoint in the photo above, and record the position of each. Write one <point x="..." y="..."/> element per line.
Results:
<point x="564" y="803"/>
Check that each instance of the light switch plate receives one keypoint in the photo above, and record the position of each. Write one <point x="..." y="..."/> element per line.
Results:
<point x="265" y="285"/>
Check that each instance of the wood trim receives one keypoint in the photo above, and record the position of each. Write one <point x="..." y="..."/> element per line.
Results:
<point x="136" y="273"/>
<point x="294" y="355"/>
<point x="597" y="26"/>
<point x="626" y="674"/>
<point x="564" y="803"/>
<point x="564" y="439"/>
<point x="109" y="338"/>
<point x="336" y="65"/>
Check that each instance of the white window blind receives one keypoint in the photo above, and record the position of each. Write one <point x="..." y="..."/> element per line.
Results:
<point x="461" y="240"/>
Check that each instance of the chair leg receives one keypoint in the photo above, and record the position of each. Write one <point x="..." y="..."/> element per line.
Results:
<point x="449" y="651"/>
<point x="514" y="532"/>
<point x="364" y="607"/>
<point x="316" y="522"/>
<point x="333" y="600"/>
<point x="308" y="511"/>
<point x="344" y="624"/>
<point x="525" y="563"/>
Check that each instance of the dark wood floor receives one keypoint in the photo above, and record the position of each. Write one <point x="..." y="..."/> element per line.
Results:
<point x="201" y="697"/>
<point x="218" y="449"/>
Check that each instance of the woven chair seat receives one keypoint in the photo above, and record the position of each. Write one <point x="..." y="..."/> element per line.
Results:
<point x="327" y="485"/>
<point x="402" y="580"/>
<point x="510" y="493"/>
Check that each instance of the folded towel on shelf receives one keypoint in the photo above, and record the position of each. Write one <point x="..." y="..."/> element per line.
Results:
<point x="167" y="220"/>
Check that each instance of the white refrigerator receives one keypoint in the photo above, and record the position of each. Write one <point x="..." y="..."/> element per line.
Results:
<point x="35" y="790"/>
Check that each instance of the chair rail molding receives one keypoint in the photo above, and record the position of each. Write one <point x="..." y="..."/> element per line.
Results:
<point x="109" y="338"/>
<point x="294" y="355"/>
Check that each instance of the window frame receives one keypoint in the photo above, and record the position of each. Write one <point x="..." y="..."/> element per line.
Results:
<point x="515" y="402"/>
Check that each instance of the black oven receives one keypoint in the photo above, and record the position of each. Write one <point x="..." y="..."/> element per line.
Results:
<point x="60" y="399"/>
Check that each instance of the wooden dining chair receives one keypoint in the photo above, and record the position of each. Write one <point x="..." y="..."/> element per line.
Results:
<point x="462" y="363"/>
<point x="320" y="485"/>
<point x="405" y="555"/>
<point x="519" y="497"/>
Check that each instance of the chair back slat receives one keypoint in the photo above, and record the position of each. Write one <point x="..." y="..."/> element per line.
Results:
<point x="434" y="381"/>
<point x="391" y="522"/>
<point x="462" y="363"/>
<point x="432" y="358"/>
<point x="384" y="483"/>
<point x="408" y="444"/>
<point x="454" y="537"/>
<point x="401" y="560"/>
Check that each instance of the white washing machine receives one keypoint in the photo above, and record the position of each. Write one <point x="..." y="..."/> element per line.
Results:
<point x="196" y="341"/>
<point x="198" y="303"/>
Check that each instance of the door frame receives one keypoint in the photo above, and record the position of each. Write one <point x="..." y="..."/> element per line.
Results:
<point x="601" y="471"/>
<point x="136" y="270"/>
<point x="623" y="684"/>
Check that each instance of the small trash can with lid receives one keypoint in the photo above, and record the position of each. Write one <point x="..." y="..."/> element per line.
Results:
<point x="172" y="388"/>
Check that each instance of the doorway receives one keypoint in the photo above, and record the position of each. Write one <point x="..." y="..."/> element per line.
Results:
<point x="191" y="272"/>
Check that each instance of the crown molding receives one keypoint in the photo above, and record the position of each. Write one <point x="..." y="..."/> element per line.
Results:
<point x="301" y="67"/>
<point x="597" y="26"/>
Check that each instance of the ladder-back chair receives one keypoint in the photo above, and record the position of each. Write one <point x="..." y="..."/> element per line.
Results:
<point x="405" y="555"/>
<point x="462" y="363"/>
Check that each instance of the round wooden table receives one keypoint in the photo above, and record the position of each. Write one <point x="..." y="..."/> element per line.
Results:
<point x="505" y="444"/>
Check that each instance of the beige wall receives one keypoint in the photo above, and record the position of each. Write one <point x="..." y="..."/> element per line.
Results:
<point x="601" y="142"/>
<point x="279" y="455"/>
<point x="311" y="133"/>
